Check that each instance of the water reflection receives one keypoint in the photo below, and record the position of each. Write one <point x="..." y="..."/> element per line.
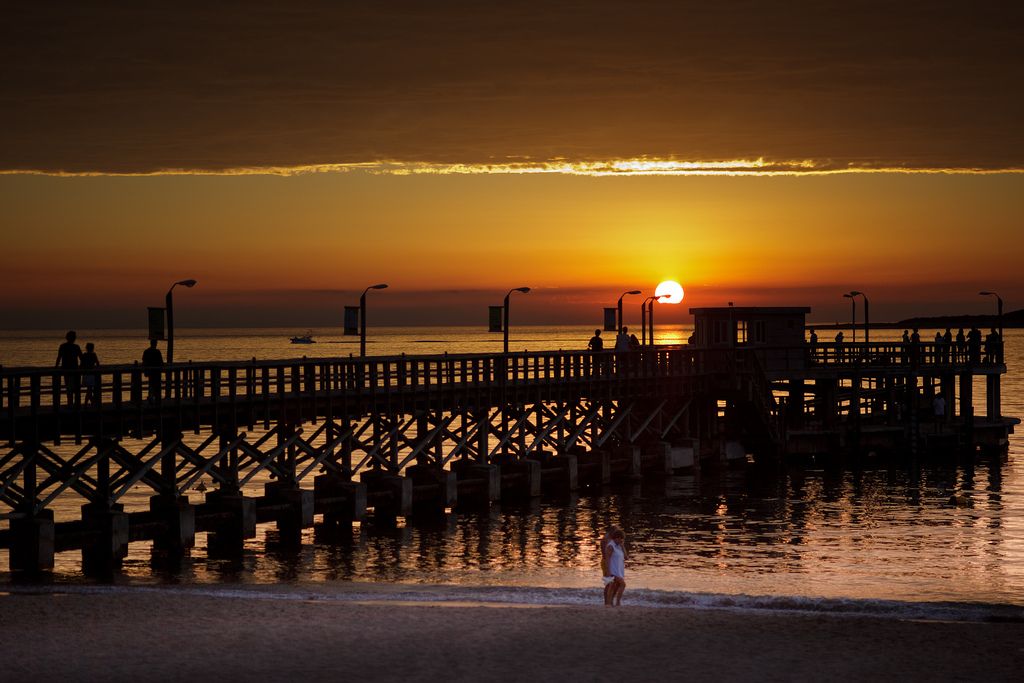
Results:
<point x="909" y="532"/>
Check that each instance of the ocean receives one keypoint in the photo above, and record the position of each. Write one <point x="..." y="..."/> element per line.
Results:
<point x="882" y="536"/>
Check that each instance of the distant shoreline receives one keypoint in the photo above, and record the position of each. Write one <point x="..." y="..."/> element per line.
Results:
<point x="1012" y="320"/>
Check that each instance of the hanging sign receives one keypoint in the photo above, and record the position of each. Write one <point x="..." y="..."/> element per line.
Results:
<point x="351" y="321"/>
<point x="494" y="320"/>
<point x="611" y="319"/>
<point x="156" y="322"/>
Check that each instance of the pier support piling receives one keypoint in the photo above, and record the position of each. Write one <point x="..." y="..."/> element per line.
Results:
<point x="477" y="482"/>
<point x="108" y="525"/>
<point x="594" y="467"/>
<point x="178" y="519"/>
<point x="432" y="486"/>
<point x="520" y="479"/>
<point x="296" y="513"/>
<point x="559" y="473"/>
<point x="236" y="522"/>
<point x="32" y="543"/>
<point x="389" y="494"/>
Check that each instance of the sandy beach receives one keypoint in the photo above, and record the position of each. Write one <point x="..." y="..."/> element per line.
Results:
<point x="175" y="634"/>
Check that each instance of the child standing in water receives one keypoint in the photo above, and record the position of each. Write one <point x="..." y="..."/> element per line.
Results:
<point x="613" y="565"/>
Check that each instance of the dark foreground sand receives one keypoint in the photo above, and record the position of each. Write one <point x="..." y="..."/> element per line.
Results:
<point x="189" y="636"/>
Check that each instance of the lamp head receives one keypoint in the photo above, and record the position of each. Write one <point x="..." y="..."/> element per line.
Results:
<point x="847" y="296"/>
<point x="985" y="293"/>
<point x="186" y="283"/>
<point x="381" y="286"/>
<point x="633" y="291"/>
<point x="856" y="293"/>
<point x="524" y="290"/>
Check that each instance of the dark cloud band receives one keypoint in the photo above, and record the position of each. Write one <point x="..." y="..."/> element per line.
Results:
<point x="487" y="87"/>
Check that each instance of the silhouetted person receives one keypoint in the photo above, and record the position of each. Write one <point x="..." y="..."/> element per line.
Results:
<point x="906" y="347"/>
<point x="597" y="344"/>
<point x="839" y="337"/>
<point x="69" y="354"/>
<point x="947" y="346"/>
<point x="974" y="346"/>
<point x="991" y="344"/>
<point x="915" y="347"/>
<point x="812" y="347"/>
<point x="90" y="361"/>
<point x="997" y="346"/>
<point x="938" y="348"/>
<point x="961" y="346"/>
<point x="906" y="336"/>
<point x="622" y="339"/>
<point x="153" y="359"/>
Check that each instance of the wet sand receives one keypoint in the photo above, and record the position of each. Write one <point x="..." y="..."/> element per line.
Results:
<point x="172" y="634"/>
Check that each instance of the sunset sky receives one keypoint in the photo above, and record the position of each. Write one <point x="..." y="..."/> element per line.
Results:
<point x="287" y="157"/>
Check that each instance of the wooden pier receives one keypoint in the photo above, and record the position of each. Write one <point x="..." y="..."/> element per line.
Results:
<point x="285" y="441"/>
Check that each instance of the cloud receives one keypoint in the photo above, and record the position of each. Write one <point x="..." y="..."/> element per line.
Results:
<point x="493" y="87"/>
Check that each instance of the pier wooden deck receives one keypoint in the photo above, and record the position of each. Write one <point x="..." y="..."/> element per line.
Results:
<point x="403" y="433"/>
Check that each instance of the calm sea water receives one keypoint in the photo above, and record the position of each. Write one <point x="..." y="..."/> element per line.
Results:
<point x="884" y="531"/>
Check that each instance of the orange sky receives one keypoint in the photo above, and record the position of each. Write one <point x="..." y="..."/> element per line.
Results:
<point x="878" y="147"/>
<point x="292" y="250"/>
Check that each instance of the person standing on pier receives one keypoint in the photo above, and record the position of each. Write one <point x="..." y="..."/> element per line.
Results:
<point x="153" y="360"/>
<point x="622" y="339"/>
<point x="947" y="346"/>
<point x="992" y="343"/>
<point x="68" y="356"/>
<point x="90" y="361"/>
<point x="596" y="344"/>
<point x="974" y="346"/>
<point x="961" y="347"/>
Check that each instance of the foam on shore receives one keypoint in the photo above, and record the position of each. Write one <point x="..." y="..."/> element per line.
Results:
<point x="541" y="597"/>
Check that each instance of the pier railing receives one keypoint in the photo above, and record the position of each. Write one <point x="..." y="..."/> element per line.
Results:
<point x="74" y="402"/>
<point x="123" y="391"/>
<point x="880" y="355"/>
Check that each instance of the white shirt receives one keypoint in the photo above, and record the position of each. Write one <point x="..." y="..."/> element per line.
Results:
<point x="616" y="560"/>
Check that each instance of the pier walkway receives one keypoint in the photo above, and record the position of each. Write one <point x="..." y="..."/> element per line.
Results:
<point x="404" y="434"/>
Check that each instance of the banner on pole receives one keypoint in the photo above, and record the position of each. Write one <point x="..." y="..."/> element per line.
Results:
<point x="494" y="320"/>
<point x="156" y="322"/>
<point x="611" y="316"/>
<point x="351" y="321"/>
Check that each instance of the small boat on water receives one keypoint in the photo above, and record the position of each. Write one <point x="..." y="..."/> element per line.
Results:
<point x="304" y="338"/>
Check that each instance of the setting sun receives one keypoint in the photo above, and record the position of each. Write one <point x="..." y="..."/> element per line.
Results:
<point x="669" y="292"/>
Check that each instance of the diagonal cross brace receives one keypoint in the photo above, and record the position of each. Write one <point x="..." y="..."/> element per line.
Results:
<point x="623" y="414"/>
<point x="643" y="425"/>
<point x="199" y="472"/>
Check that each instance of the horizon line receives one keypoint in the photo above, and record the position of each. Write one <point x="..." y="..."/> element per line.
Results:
<point x="615" y="167"/>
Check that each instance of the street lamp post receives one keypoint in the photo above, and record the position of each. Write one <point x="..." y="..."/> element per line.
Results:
<point x="632" y="291"/>
<point x="867" y="315"/>
<point x="362" y="317"/>
<point x="524" y="290"/>
<point x="169" y="303"/>
<point x="853" y="314"/>
<point x="999" y="310"/>
<point x="647" y="318"/>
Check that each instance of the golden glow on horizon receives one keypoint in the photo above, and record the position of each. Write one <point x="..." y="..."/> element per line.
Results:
<point x="641" y="166"/>
<point x="671" y="290"/>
